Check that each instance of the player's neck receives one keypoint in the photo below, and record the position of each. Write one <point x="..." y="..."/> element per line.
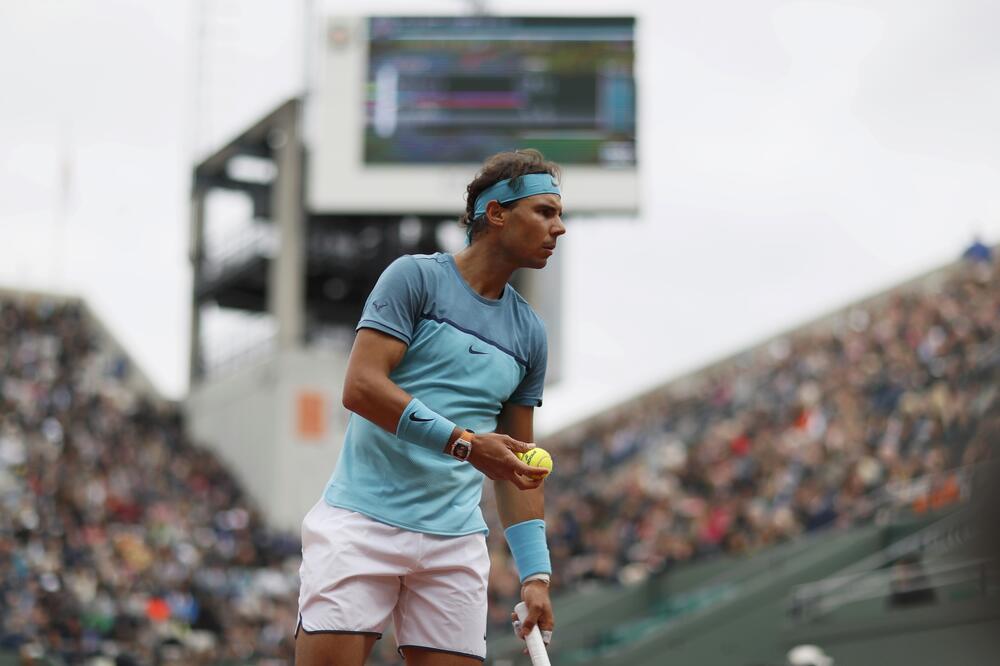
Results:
<point x="484" y="270"/>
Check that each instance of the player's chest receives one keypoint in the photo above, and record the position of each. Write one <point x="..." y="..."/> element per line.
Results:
<point x="466" y="357"/>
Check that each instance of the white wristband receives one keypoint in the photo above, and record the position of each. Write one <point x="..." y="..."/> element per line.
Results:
<point x="544" y="577"/>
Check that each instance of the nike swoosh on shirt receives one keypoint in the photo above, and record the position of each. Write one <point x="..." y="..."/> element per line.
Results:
<point x="473" y="351"/>
<point x="413" y="417"/>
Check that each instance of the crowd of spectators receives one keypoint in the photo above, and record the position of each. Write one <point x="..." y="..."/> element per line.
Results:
<point x="121" y="542"/>
<point x="823" y="427"/>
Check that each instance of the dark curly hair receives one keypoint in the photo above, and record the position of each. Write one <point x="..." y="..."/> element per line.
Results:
<point x="511" y="164"/>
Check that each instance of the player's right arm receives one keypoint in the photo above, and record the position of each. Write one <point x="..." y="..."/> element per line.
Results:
<point x="368" y="390"/>
<point x="370" y="393"/>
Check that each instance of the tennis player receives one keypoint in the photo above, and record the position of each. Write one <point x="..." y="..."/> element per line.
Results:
<point x="447" y="367"/>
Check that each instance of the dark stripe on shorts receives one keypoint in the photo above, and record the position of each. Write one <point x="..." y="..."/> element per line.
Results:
<point x="376" y="634"/>
<point x="434" y="649"/>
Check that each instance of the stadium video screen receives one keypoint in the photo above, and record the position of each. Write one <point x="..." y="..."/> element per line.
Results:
<point x="455" y="89"/>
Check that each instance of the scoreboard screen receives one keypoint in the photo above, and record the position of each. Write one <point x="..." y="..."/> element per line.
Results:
<point x="449" y="90"/>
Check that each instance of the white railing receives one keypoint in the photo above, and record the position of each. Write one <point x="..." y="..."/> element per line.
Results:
<point x="873" y="576"/>
<point x="817" y="599"/>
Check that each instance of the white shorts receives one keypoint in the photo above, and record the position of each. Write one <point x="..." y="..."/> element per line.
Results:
<point x="356" y="572"/>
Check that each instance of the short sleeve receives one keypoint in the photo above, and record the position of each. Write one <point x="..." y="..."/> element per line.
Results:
<point x="395" y="303"/>
<point x="529" y="391"/>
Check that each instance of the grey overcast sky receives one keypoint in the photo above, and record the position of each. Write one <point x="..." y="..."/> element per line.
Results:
<point x="794" y="156"/>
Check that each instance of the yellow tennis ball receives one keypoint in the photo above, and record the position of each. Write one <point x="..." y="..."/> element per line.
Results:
<point x="537" y="457"/>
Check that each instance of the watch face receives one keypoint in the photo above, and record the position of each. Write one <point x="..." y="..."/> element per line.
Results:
<point x="460" y="450"/>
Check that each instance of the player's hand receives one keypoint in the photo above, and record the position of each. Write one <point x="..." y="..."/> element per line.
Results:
<point x="493" y="455"/>
<point x="535" y="595"/>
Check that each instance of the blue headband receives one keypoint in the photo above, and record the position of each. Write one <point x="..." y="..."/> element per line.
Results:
<point x="527" y="185"/>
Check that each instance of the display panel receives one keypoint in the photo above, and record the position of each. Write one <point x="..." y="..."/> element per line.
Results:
<point x="453" y="89"/>
<point x="424" y="149"/>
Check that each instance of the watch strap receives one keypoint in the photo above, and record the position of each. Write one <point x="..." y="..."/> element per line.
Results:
<point x="461" y="448"/>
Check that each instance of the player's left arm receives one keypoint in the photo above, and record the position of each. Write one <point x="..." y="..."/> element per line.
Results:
<point x="522" y="509"/>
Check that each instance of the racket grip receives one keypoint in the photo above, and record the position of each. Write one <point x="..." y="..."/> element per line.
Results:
<point x="536" y="646"/>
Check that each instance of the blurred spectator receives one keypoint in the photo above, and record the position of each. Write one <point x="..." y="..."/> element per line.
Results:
<point x="978" y="252"/>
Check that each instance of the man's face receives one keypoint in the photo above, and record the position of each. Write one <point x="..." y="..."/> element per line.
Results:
<point x="531" y="227"/>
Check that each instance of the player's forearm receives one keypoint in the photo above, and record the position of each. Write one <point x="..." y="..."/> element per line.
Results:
<point x="375" y="397"/>
<point x="516" y="506"/>
<point x="513" y="504"/>
<point x="522" y="515"/>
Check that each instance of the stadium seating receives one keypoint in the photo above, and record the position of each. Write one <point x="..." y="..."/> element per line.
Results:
<point x="122" y="541"/>
<point x="824" y="427"/>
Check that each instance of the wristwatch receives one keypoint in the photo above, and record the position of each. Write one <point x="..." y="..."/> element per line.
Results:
<point x="462" y="447"/>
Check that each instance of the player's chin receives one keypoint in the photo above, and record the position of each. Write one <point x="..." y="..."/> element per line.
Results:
<point x="539" y="261"/>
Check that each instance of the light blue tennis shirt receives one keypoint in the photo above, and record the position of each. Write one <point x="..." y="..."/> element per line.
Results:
<point x="466" y="356"/>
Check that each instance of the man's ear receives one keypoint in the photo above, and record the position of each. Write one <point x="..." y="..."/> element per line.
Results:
<point x="495" y="214"/>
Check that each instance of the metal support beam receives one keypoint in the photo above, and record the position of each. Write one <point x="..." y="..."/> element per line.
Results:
<point x="286" y="279"/>
<point x="196" y="245"/>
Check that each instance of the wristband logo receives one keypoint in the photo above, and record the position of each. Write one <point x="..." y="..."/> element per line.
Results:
<point x="413" y="417"/>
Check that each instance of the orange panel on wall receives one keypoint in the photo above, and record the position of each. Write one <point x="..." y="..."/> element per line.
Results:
<point x="310" y="415"/>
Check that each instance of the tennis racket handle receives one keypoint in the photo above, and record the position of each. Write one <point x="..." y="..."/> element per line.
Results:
<point x="536" y="646"/>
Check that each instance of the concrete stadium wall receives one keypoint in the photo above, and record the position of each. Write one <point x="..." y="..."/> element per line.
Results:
<point x="742" y="587"/>
<point x="279" y="426"/>
<point x="963" y="632"/>
<point x="739" y="613"/>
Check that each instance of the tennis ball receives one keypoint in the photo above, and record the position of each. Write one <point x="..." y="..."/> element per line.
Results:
<point x="537" y="457"/>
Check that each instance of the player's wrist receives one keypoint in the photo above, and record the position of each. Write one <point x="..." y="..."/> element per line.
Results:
<point x="421" y="425"/>
<point x="461" y="447"/>
<point x="455" y="434"/>
<point x="540" y="578"/>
